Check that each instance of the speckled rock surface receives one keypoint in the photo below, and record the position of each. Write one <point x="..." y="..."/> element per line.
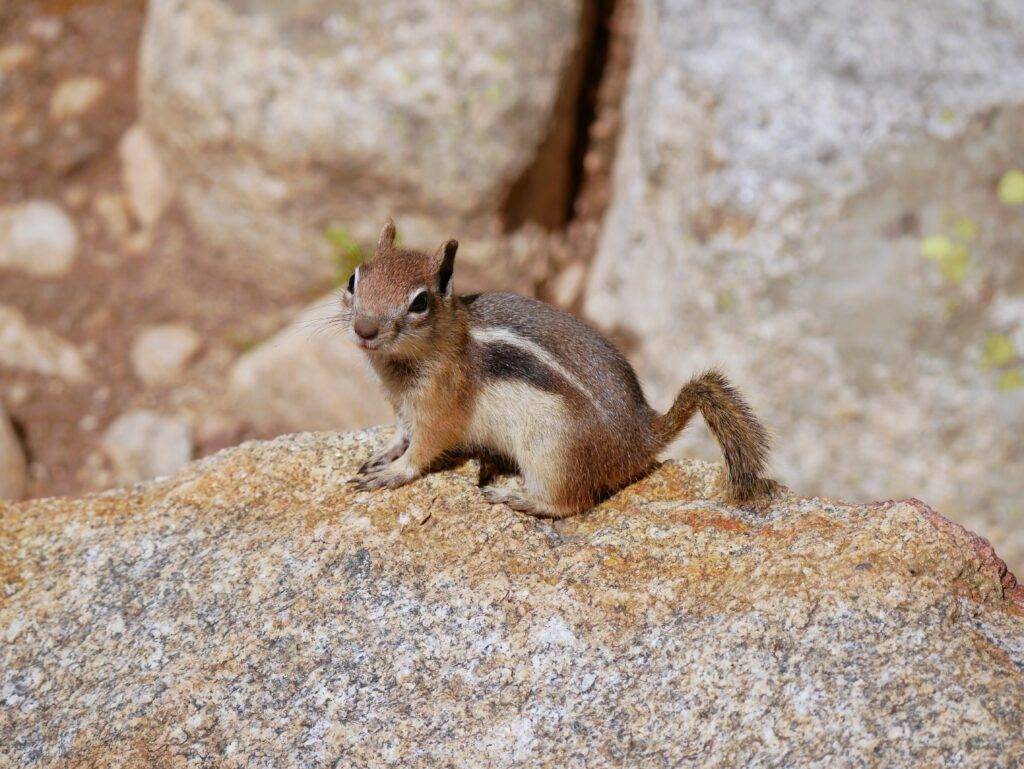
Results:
<point x="807" y="194"/>
<point x="279" y="119"/>
<point x="256" y="611"/>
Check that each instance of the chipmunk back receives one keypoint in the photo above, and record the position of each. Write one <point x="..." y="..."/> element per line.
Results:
<point x="522" y="385"/>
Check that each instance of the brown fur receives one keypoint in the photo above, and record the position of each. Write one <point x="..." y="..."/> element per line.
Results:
<point x="743" y="440"/>
<point x="505" y="376"/>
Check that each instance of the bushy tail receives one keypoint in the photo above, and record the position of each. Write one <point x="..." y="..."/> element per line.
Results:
<point x="743" y="440"/>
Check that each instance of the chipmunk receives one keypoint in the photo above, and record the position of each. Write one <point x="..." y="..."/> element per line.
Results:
<point x="520" y="384"/>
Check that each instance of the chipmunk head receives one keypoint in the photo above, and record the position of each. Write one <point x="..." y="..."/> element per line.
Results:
<point x="396" y="300"/>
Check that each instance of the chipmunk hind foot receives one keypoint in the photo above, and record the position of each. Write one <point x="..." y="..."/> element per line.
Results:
<point x="524" y="503"/>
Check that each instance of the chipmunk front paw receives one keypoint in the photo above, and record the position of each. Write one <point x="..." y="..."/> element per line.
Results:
<point x="375" y="462"/>
<point x="384" y="458"/>
<point x="387" y="477"/>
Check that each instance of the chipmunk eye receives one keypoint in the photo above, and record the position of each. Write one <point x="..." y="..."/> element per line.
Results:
<point x="419" y="302"/>
<point x="352" y="283"/>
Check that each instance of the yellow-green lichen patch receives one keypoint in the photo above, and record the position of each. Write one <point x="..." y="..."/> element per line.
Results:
<point x="346" y="253"/>
<point x="999" y="351"/>
<point x="1011" y="188"/>
<point x="1000" y="354"/>
<point x="952" y="256"/>
<point x="965" y="228"/>
<point x="1011" y="380"/>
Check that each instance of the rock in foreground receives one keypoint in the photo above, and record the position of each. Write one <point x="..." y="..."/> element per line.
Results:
<point x="255" y="611"/>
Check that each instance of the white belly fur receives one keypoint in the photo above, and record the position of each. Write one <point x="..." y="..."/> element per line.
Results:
<point x="526" y="424"/>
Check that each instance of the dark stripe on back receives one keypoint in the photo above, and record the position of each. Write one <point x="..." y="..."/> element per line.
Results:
<point x="505" y="361"/>
<point x="579" y="347"/>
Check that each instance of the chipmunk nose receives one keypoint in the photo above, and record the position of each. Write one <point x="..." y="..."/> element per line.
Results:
<point x="366" y="329"/>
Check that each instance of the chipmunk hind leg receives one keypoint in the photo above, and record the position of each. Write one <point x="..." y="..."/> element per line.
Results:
<point x="535" y="435"/>
<point x="532" y="502"/>
<point x="492" y="466"/>
<point x="555" y="485"/>
<point x="541" y="494"/>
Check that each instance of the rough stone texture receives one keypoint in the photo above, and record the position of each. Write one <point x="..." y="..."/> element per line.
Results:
<point x="256" y="611"/>
<point x="75" y="96"/>
<point x="161" y="353"/>
<point x="27" y="348"/>
<point x="12" y="461"/>
<point x="37" y="237"/>
<point x="113" y="209"/>
<point x="308" y="377"/>
<point x="805" y="193"/>
<point x="144" y="176"/>
<point x="278" y="119"/>
<point x="15" y="56"/>
<point x="143" y="444"/>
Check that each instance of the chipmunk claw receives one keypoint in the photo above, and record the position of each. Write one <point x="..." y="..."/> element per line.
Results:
<point x="384" y="458"/>
<point x="497" y="495"/>
<point x="374" y="463"/>
<point x="384" y="477"/>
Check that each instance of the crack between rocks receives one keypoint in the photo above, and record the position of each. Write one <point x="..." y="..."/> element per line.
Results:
<point x="594" y="72"/>
<point x="546" y="191"/>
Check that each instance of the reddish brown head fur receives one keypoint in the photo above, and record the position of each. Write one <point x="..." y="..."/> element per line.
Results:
<point x="386" y="295"/>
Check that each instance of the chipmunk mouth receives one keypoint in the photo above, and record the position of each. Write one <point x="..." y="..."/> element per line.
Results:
<point x="374" y="344"/>
<point x="385" y="343"/>
<point x="371" y="345"/>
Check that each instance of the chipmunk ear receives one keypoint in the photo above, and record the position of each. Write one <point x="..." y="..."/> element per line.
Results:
<point x="445" y="261"/>
<point x="387" y="236"/>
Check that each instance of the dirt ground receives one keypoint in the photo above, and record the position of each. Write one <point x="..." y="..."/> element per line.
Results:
<point x="116" y="285"/>
<point x="122" y="282"/>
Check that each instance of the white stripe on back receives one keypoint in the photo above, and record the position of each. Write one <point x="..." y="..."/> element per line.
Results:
<point x="502" y="335"/>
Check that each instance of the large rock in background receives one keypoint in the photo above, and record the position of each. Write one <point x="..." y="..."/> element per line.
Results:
<point x="256" y="610"/>
<point x="806" y="193"/>
<point x="308" y="376"/>
<point x="280" y="119"/>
